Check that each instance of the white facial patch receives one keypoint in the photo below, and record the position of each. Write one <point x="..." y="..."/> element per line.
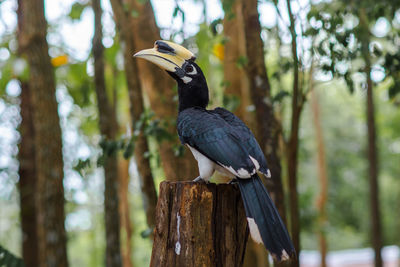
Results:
<point x="186" y="79"/>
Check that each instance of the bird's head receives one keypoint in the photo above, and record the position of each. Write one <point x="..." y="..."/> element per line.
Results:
<point x="179" y="63"/>
<point x="175" y="59"/>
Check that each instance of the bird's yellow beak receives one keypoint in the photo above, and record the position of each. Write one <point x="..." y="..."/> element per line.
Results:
<point x="166" y="55"/>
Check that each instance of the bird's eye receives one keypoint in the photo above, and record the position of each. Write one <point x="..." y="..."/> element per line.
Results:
<point x="189" y="69"/>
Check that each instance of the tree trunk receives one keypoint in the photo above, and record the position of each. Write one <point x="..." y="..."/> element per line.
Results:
<point x="372" y="146"/>
<point x="48" y="155"/>
<point x="159" y="89"/>
<point x="235" y="79"/>
<point x="268" y="128"/>
<point x="373" y="173"/>
<point x="108" y="128"/>
<point x="293" y="144"/>
<point x="123" y="174"/>
<point x="255" y="255"/>
<point x="322" y="173"/>
<point x="237" y="86"/>
<point x="27" y="181"/>
<point x="125" y="24"/>
<point x="199" y="225"/>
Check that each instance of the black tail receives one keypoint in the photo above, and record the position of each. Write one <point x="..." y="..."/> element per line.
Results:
<point x="262" y="214"/>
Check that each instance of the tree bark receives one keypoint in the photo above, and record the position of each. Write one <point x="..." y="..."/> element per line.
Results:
<point x="293" y="144"/>
<point x="322" y="172"/>
<point x="108" y="127"/>
<point x="237" y="86"/>
<point x="48" y="152"/>
<point x="125" y="26"/>
<point x="376" y="232"/>
<point x="268" y="128"/>
<point x="235" y="79"/>
<point x="27" y="180"/>
<point x="199" y="225"/>
<point x="123" y="174"/>
<point x="27" y="170"/>
<point x="159" y="89"/>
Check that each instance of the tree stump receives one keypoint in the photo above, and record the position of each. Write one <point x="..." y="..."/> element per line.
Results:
<point x="199" y="224"/>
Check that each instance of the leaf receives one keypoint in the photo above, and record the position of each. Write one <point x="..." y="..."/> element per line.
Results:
<point x="130" y="148"/>
<point x="59" y="61"/>
<point x="219" y="51"/>
<point x="81" y="165"/>
<point x="146" y="233"/>
<point x="326" y="68"/>
<point x="376" y="50"/>
<point x="280" y="96"/>
<point x="286" y="65"/>
<point x="213" y="26"/>
<point x="5" y="77"/>
<point x="241" y="61"/>
<point x="349" y="81"/>
<point x="321" y="50"/>
<point x="175" y="13"/>
<point x="79" y="84"/>
<point x="394" y="90"/>
<point x="231" y="102"/>
<point x="9" y="259"/>
<point x="76" y="10"/>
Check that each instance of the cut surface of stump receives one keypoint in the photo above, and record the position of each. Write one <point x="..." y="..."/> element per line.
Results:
<point x="199" y="224"/>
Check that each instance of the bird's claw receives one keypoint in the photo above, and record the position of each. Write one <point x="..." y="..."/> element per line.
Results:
<point x="233" y="181"/>
<point x="200" y="180"/>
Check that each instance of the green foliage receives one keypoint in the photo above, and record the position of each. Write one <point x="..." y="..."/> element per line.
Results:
<point x="9" y="260"/>
<point x="343" y="38"/>
<point x="150" y="126"/>
<point x="154" y="127"/>
<point x="241" y="62"/>
<point x="77" y="9"/>
<point x="146" y="233"/>
<point x="231" y="102"/>
<point x="227" y="6"/>
<point x="214" y="26"/>
<point x="392" y="67"/>
<point x="79" y="84"/>
<point x="178" y="11"/>
<point x="81" y="165"/>
<point x="6" y="76"/>
<point x="280" y="96"/>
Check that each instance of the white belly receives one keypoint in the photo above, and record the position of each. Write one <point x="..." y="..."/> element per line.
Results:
<point x="206" y="166"/>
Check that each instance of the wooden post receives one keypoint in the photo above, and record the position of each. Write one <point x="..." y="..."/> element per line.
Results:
<point x="199" y="224"/>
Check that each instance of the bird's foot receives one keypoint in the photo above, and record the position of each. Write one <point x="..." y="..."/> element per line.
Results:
<point x="233" y="181"/>
<point x="200" y="180"/>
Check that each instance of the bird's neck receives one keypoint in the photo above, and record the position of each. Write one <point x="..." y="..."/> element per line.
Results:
<point x="191" y="96"/>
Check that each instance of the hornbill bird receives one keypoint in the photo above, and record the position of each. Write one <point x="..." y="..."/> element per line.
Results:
<point x="221" y="141"/>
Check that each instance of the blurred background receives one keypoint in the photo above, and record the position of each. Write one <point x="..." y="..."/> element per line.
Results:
<point x="87" y="133"/>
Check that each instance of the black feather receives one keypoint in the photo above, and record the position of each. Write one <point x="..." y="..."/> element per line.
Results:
<point x="222" y="137"/>
<point x="249" y="141"/>
<point x="259" y="206"/>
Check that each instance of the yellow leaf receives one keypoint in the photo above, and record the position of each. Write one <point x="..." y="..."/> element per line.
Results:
<point x="59" y="61"/>
<point x="219" y="51"/>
